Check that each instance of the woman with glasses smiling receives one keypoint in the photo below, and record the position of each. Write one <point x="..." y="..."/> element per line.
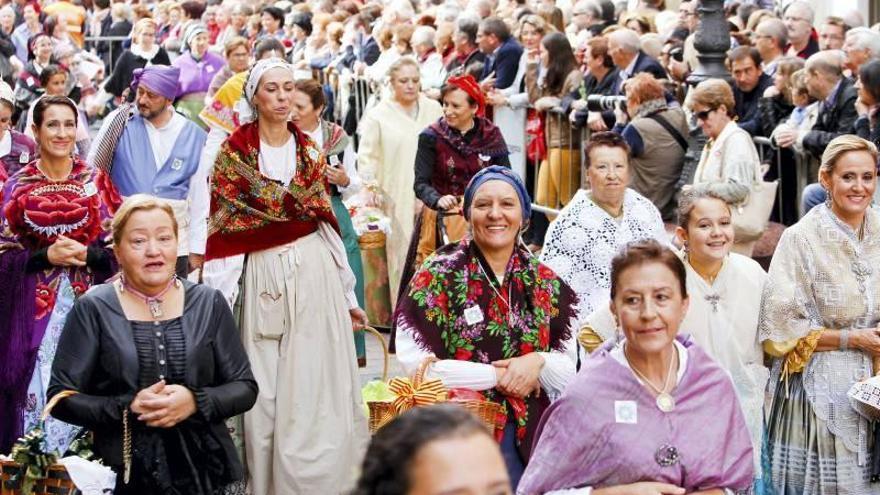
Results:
<point x="729" y="157"/>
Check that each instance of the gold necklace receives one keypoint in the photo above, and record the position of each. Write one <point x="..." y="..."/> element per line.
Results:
<point x="665" y="402"/>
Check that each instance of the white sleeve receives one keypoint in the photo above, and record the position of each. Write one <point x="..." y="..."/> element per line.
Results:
<point x="200" y="191"/>
<point x="519" y="100"/>
<point x="223" y="274"/>
<point x="453" y="373"/>
<point x="90" y="158"/>
<point x="337" y="251"/>
<point x="349" y="161"/>
<point x="558" y="368"/>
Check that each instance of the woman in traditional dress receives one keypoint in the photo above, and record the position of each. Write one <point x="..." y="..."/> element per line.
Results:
<point x="590" y="230"/>
<point x="146" y="353"/>
<point x="725" y="300"/>
<point x="387" y="149"/>
<point x="648" y="413"/>
<point x="27" y="86"/>
<point x="335" y="145"/>
<point x="819" y="320"/>
<point x="451" y="151"/>
<point x="496" y="318"/>
<point x="16" y="149"/>
<point x="197" y="67"/>
<point x="729" y="158"/>
<point x="52" y="249"/>
<point x="144" y="51"/>
<point x="272" y="232"/>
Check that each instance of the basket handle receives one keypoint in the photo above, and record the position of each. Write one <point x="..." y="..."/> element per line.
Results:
<point x="419" y="377"/>
<point x="385" y="353"/>
<point x="54" y="402"/>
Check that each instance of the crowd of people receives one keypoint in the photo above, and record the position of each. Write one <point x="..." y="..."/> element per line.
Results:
<point x="579" y="232"/>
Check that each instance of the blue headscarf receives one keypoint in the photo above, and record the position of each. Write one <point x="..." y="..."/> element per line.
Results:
<point x="497" y="172"/>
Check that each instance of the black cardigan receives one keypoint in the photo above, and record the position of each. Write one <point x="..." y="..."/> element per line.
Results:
<point x="96" y="357"/>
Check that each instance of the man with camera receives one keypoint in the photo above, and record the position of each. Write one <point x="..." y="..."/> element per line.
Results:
<point x="657" y="136"/>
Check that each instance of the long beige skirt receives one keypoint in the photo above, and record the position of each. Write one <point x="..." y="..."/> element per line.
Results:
<point x="307" y="432"/>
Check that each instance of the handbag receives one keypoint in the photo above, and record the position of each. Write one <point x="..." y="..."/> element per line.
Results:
<point x="750" y="217"/>
<point x="536" y="149"/>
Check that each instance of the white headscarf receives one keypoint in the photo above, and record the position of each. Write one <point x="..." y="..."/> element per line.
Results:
<point x="6" y="93"/>
<point x="245" y="108"/>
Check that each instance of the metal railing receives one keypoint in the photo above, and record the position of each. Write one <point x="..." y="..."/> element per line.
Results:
<point x="92" y="43"/>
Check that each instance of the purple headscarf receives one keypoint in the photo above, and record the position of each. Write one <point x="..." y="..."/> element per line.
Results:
<point x="160" y="79"/>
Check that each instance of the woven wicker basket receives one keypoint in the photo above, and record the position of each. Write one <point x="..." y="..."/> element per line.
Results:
<point x="383" y="412"/>
<point x="56" y="482"/>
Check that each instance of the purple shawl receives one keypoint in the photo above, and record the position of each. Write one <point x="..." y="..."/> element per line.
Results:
<point x="583" y="441"/>
<point x="12" y="162"/>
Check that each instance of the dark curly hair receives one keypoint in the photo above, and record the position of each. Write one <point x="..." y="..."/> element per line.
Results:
<point x="387" y="463"/>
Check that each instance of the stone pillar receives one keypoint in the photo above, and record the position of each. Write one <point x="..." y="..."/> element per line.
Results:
<point x="712" y="41"/>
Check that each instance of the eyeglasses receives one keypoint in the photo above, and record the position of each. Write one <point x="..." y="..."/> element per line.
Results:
<point x="704" y="114"/>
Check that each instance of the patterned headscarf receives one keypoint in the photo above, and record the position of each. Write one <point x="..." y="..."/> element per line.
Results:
<point x="6" y="93"/>
<point x="247" y="112"/>
<point x="469" y="85"/>
<point x="497" y="172"/>
<point x="190" y="34"/>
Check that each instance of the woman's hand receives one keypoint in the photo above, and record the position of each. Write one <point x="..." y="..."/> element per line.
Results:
<point x="642" y="488"/>
<point x="861" y="108"/>
<point x="359" y="319"/>
<point x="867" y="340"/>
<point x="496" y="99"/>
<point x="771" y="92"/>
<point x="67" y="252"/>
<point x="447" y="202"/>
<point x="154" y="391"/>
<point x="546" y="103"/>
<point x="337" y="176"/>
<point x="175" y="404"/>
<point x="521" y="376"/>
<point x="595" y="122"/>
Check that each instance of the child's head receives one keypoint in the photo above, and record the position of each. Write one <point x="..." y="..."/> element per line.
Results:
<point x="784" y="70"/>
<point x="53" y="80"/>
<point x="800" y="95"/>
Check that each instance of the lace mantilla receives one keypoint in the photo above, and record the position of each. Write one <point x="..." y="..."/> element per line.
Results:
<point x="584" y="238"/>
<point x="821" y="278"/>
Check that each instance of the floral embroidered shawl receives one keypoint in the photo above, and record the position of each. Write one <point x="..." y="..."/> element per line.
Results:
<point x="451" y="281"/>
<point x="250" y="212"/>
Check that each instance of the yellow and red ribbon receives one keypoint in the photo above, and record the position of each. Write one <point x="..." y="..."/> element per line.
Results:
<point x="408" y="395"/>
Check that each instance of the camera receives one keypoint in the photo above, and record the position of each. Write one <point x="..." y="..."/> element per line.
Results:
<point x="600" y="103"/>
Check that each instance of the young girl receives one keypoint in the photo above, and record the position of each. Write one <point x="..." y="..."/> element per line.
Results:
<point x="53" y="81"/>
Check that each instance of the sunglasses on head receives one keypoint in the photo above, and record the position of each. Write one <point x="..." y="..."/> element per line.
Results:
<point x="704" y="114"/>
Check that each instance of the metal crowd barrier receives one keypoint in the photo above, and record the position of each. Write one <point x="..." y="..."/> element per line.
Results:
<point x="92" y="42"/>
<point x="767" y="150"/>
<point x="571" y="178"/>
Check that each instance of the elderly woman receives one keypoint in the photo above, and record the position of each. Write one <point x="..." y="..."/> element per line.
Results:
<point x="272" y="232"/>
<point x="496" y="318"/>
<point x="154" y="362"/>
<point x="144" y="51"/>
<point x="729" y="158"/>
<point x="16" y="149"/>
<point x="52" y="249"/>
<point x="588" y="232"/>
<point x="432" y="70"/>
<point x="389" y="136"/>
<point x="819" y="321"/>
<point x="725" y="300"/>
<point x="554" y="77"/>
<point x="308" y="106"/>
<point x="657" y="137"/>
<point x="237" y="59"/>
<point x="197" y="67"/>
<point x="437" y="449"/>
<point x="649" y="412"/>
<point x="451" y="151"/>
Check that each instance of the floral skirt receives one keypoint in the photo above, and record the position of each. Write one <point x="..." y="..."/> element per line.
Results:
<point x="805" y="457"/>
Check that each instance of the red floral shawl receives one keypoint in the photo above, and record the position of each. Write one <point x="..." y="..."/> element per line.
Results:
<point x="250" y="212"/>
<point x="451" y="282"/>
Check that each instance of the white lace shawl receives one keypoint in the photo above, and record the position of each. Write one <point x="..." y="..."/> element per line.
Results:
<point x="584" y="238"/>
<point x="822" y="276"/>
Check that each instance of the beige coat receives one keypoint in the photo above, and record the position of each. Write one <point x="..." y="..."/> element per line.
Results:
<point x="387" y="153"/>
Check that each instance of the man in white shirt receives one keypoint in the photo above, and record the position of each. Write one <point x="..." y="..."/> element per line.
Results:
<point x="155" y="151"/>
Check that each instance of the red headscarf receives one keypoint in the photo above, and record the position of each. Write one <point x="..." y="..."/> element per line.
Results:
<point x="469" y="85"/>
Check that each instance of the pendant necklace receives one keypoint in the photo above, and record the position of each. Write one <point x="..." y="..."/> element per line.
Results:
<point x="665" y="402"/>
<point x="506" y="301"/>
<point x="154" y="303"/>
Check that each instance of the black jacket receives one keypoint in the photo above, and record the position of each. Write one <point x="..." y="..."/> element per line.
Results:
<point x="746" y="106"/>
<point x="504" y="63"/>
<point x="834" y="120"/>
<point x="644" y="63"/>
<point x="97" y="357"/>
